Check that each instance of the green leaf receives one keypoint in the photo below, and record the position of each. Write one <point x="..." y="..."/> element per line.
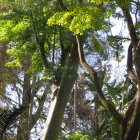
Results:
<point x="112" y="92"/>
<point x="115" y="128"/>
<point x="82" y="18"/>
<point x="60" y="18"/>
<point x="100" y="1"/>
<point x="99" y="128"/>
<point x="14" y="63"/>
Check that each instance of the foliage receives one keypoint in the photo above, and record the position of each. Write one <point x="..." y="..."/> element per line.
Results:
<point x="78" y="136"/>
<point x="9" y="117"/>
<point x="100" y="1"/>
<point x="80" y="19"/>
<point x="28" y="25"/>
<point x="115" y="128"/>
<point x="20" y="26"/>
<point x="119" y="94"/>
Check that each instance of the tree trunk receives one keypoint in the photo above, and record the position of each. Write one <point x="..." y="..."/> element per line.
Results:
<point x="58" y="104"/>
<point x="22" y="132"/>
<point x="131" y="125"/>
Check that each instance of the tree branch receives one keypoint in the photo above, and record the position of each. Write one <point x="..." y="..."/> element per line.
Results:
<point x="137" y="62"/>
<point x="119" y="37"/>
<point x="135" y="123"/>
<point x="130" y="65"/>
<point x="36" y="116"/>
<point x="42" y="51"/>
<point x="130" y="25"/>
<point x="93" y="73"/>
<point x="63" y="7"/>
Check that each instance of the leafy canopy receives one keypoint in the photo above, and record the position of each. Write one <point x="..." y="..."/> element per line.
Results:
<point x="80" y="19"/>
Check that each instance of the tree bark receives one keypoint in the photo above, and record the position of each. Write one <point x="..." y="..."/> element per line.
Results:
<point x="133" y="130"/>
<point x="130" y="124"/>
<point x="58" y="104"/>
<point x="22" y="132"/>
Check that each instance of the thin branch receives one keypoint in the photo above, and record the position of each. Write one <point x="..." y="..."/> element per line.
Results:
<point x="130" y="65"/>
<point x="93" y="73"/>
<point x="81" y="56"/>
<point x="137" y="8"/>
<point x="42" y="51"/>
<point x="119" y="37"/>
<point x="130" y="25"/>
<point x="53" y="48"/>
<point x="40" y="43"/>
<point x="36" y="116"/>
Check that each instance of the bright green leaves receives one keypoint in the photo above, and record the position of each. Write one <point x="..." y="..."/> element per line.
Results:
<point x="10" y="30"/>
<point x="5" y="30"/>
<point x="8" y="21"/>
<point x="37" y="64"/>
<point x="60" y="18"/>
<point x="21" y="27"/>
<point x="24" y="25"/>
<point x="100" y="1"/>
<point x="14" y="63"/>
<point x="18" y="54"/>
<point x="82" y="18"/>
<point x="79" y="136"/>
<point x="86" y="18"/>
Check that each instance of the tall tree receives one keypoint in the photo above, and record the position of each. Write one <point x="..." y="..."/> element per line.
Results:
<point x="132" y="114"/>
<point x="53" y="39"/>
<point x="30" y="31"/>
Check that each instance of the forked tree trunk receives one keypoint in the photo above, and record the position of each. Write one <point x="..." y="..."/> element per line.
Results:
<point x="58" y="104"/>
<point x="130" y="122"/>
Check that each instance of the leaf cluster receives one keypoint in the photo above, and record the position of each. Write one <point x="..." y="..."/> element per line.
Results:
<point x="80" y="19"/>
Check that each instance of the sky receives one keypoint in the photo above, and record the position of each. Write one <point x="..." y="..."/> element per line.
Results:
<point x="119" y="68"/>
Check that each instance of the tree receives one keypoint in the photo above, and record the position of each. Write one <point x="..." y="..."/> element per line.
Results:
<point x="51" y="40"/>
<point x="35" y="36"/>
<point x="132" y="113"/>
